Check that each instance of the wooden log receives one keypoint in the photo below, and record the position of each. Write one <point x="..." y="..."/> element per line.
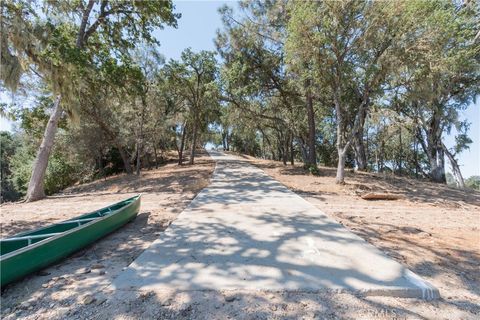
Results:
<point x="381" y="196"/>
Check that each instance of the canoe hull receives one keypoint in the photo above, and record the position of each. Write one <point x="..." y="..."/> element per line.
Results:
<point x="44" y="253"/>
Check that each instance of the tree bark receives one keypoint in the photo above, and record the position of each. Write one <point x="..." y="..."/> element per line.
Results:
<point x="415" y="155"/>
<point x="156" y="156"/>
<point x="400" y="154"/>
<point x="312" y="155"/>
<point x="303" y="150"/>
<point x="228" y="141"/>
<point x="138" y="158"/>
<point x="434" y="148"/>
<point x="360" y="154"/>
<point x="126" y="161"/>
<point x="36" y="185"/>
<point x="224" y="138"/>
<point x="83" y="24"/>
<point x="341" y="146"/>
<point x="455" y="168"/>
<point x="194" y="143"/>
<point x="441" y="163"/>
<point x="292" y="151"/>
<point x="340" y="178"/>
<point x="182" y="145"/>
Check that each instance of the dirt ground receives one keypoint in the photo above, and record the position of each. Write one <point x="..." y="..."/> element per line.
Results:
<point x="51" y="293"/>
<point x="434" y="231"/>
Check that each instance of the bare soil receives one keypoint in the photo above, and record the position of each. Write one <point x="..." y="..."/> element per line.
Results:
<point x="434" y="231"/>
<point x="55" y="292"/>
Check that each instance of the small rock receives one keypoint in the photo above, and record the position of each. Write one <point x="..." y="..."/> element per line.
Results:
<point x="88" y="299"/>
<point x="85" y="270"/>
<point x="167" y="302"/>
<point x="273" y="307"/>
<point x="101" y="300"/>
<point x="25" y="305"/>
<point x="45" y="285"/>
<point x="146" y="295"/>
<point x="97" y="266"/>
<point x="43" y="273"/>
<point x="102" y="272"/>
<point x="230" y="298"/>
<point x="52" y="305"/>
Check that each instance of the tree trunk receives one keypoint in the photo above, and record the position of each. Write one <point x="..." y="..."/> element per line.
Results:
<point x="224" y="139"/>
<point x="292" y="151"/>
<point x="455" y="168"/>
<point x="284" y="154"/>
<point x="138" y="158"/>
<point x="303" y="150"/>
<point x="340" y="178"/>
<point x="400" y="155"/>
<point x="194" y="143"/>
<point x="433" y="147"/>
<point x="140" y="138"/>
<point x="312" y="155"/>
<point x="437" y="171"/>
<point x="360" y="154"/>
<point x="182" y="145"/>
<point x="156" y="156"/>
<point x="126" y="161"/>
<point x="441" y="163"/>
<point x="415" y="155"/>
<point x="36" y="189"/>
<point x="341" y="146"/>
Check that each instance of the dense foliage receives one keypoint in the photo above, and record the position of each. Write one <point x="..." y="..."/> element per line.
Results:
<point x="384" y="80"/>
<point x="373" y="85"/>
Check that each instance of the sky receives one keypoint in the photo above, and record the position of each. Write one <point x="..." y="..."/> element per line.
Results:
<point x="197" y="29"/>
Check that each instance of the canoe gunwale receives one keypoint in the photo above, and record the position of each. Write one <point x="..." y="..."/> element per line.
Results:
<point x="67" y="232"/>
<point x="21" y="234"/>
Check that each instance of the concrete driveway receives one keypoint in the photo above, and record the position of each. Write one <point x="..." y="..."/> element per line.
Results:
<point x="247" y="231"/>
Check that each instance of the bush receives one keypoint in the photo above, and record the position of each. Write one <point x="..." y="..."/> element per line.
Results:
<point x="60" y="174"/>
<point x="8" y="147"/>
<point x="313" y="169"/>
<point x="473" y="182"/>
<point x="61" y="171"/>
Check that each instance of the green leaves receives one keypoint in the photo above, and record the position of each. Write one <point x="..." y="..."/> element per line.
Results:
<point x="67" y="42"/>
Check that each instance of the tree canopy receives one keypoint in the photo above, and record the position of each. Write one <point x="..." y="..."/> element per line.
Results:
<point x="370" y="85"/>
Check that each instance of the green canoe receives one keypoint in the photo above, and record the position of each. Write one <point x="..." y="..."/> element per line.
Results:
<point x="30" y="251"/>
